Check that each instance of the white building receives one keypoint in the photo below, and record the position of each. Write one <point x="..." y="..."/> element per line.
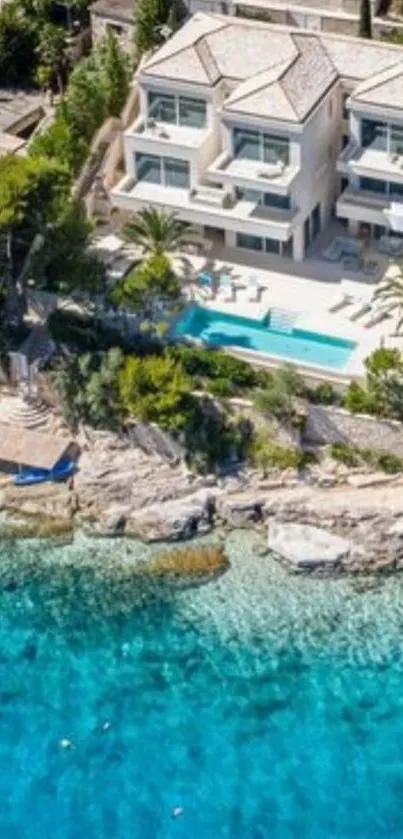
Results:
<point x="251" y="131"/>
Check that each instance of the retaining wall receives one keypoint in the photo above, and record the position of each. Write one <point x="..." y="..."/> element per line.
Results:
<point x="333" y="425"/>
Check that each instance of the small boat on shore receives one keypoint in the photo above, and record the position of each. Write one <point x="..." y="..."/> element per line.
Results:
<point x="60" y="472"/>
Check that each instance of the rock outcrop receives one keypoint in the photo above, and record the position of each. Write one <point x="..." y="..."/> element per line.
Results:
<point x="305" y="547"/>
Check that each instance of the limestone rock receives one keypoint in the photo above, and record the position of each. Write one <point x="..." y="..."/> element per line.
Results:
<point x="173" y="520"/>
<point x="307" y="547"/>
<point x="242" y="508"/>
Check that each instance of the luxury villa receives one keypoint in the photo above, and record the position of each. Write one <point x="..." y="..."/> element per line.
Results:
<point x="284" y="149"/>
<point x="258" y="134"/>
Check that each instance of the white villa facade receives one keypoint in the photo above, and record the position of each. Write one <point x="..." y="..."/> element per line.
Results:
<point x="258" y="134"/>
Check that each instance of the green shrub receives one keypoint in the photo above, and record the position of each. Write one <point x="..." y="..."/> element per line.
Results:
<point x="323" y="394"/>
<point x="358" y="400"/>
<point x="390" y="463"/>
<point x="345" y="454"/>
<point x="208" y="365"/>
<point x="265" y="454"/>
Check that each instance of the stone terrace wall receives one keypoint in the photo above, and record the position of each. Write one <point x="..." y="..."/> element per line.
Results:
<point x="334" y="425"/>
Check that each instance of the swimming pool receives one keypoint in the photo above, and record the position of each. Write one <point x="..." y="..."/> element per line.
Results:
<point x="220" y="329"/>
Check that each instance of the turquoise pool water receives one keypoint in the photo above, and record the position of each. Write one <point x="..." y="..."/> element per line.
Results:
<point x="267" y="706"/>
<point x="222" y="330"/>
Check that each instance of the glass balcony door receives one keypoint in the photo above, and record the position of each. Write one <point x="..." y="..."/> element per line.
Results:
<point x="167" y="171"/>
<point x="177" y="110"/>
<point x="254" y="145"/>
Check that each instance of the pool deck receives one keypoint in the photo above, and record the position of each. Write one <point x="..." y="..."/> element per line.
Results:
<point x="307" y="298"/>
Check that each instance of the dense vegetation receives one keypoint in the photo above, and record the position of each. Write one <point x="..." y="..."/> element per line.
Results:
<point x="34" y="40"/>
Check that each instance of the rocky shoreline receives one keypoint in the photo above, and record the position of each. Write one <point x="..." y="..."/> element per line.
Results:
<point x="346" y="521"/>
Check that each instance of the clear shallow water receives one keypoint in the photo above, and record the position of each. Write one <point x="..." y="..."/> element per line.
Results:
<point x="221" y="329"/>
<point x="265" y="705"/>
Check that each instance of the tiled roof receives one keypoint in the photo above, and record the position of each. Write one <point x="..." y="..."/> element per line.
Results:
<point x="282" y="73"/>
<point x="384" y="88"/>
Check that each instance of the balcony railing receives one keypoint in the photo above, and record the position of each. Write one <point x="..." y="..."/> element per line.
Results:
<point x="372" y="200"/>
<point x="241" y="170"/>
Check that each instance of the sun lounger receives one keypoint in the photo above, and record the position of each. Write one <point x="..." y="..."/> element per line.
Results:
<point x="339" y="302"/>
<point x="377" y="316"/>
<point x="361" y="307"/>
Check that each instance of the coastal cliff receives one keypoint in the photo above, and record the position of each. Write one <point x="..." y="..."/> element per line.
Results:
<point x="121" y="491"/>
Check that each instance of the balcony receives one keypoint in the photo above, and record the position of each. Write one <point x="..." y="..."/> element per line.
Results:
<point x="362" y="205"/>
<point x="252" y="174"/>
<point x="166" y="133"/>
<point x="370" y="162"/>
<point x="207" y="205"/>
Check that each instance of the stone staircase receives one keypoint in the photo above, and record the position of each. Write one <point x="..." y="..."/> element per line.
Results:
<point x="24" y="411"/>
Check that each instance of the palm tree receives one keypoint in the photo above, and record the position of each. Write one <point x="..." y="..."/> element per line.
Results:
<point x="390" y="293"/>
<point x="156" y="231"/>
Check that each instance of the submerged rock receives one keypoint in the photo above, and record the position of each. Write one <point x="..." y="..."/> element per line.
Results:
<point x="306" y="547"/>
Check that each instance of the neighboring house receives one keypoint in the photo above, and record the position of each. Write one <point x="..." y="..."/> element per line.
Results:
<point x="257" y="134"/>
<point x="115" y="15"/>
<point x="339" y="16"/>
<point x="20" y="113"/>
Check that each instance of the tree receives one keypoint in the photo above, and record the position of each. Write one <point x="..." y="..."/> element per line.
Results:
<point x="365" y="25"/>
<point x="51" y="56"/>
<point x="115" y="70"/>
<point x="152" y="282"/>
<point x="151" y="15"/>
<point x="87" y="386"/>
<point x="390" y="293"/>
<point x="17" y="46"/>
<point x="32" y="195"/>
<point x="60" y="143"/>
<point x="156" y="231"/>
<point x="64" y="263"/>
<point x="155" y="389"/>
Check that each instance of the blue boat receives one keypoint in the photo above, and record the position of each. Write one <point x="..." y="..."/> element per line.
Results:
<point x="60" y="472"/>
<point x="31" y="476"/>
<point x="63" y="470"/>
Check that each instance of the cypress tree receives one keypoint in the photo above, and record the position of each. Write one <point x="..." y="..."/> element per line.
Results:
<point x="365" y="26"/>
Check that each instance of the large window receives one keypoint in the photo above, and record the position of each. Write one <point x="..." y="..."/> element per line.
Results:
<point x="396" y="189"/>
<point x="255" y="243"/>
<point x="276" y="148"/>
<point x="383" y="187"/>
<point x="180" y="110"/>
<point x="192" y="112"/>
<point x="396" y="139"/>
<point x="161" y="107"/>
<point x="247" y="144"/>
<point x="148" y="168"/>
<point x="253" y="145"/>
<point x="176" y="172"/>
<point x="373" y="185"/>
<point x="267" y="199"/>
<point x="167" y="171"/>
<point x="374" y="134"/>
<point x="252" y="243"/>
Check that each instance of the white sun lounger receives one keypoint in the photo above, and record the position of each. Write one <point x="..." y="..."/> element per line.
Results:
<point x="360" y="308"/>
<point x="377" y="316"/>
<point x="339" y="302"/>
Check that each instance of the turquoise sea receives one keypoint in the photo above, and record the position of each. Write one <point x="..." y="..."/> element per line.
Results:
<point x="264" y="705"/>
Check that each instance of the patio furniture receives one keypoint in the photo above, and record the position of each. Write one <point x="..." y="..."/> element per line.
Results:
<point x="371" y="268"/>
<point x="378" y="314"/>
<point x="333" y="253"/>
<point x="226" y="288"/>
<point x="391" y="245"/>
<point x="205" y="280"/>
<point x="351" y="263"/>
<point x="340" y="301"/>
<point x="361" y="307"/>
